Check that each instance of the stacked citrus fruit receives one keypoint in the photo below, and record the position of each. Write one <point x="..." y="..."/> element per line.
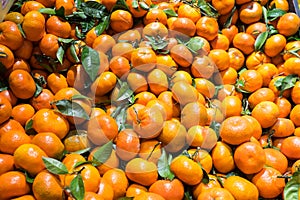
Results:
<point x="144" y="100"/>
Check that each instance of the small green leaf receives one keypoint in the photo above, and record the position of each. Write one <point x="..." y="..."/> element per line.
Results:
<point x="79" y="96"/>
<point x="265" y="14"/>
<point x="77" y="187"/>
<point x="73" y="53"/>
<point x="291" y="189"/>
<point x="125" y="198"/>
<point x="94" y="9"/>
<point x="205" y="178"/>
<point x="195" y="44"/>
<point x="90" y="62"/>
<point x="228" y="22"/>
<point x="273" y="14"/>
<point x="102" y="26"/>
<point x="124" y="92"/>
<point x="55" y="166"/>
<point x="21" y="30"/>
<point x="170" y="12"/>
<point x="163" y="166"/>
<point x="70" y="108"/>
<point x="286" y="83"/>
<point x="260" y="41"/>
<point x="120" y="5"/>
<point x="103" y="153"/>
<point x="48" y="11"/>
<point x="29" y="179"/>
<point x="28" y="128"/>
<point x="82" y="151"/>
<point x="80" y="163"/>
<point x="60" y="54"/>
<point x="143" y="5"/>
<point x="135" y="4"/>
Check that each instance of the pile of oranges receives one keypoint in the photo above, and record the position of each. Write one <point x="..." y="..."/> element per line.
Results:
<point x="149" y="100"/>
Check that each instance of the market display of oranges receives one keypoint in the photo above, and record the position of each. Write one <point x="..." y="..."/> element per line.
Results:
<point x="150" y="100"/>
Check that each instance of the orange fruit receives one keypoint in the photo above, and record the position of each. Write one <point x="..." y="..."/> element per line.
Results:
<point x="231" y="106"/>
<point x="290" y="147"/>
<point x="110" y="163"/>
<point x="22" y="113"/>
<point x="262" y="94"/>
<point x="6" y="163"/>
<point x="47" y="186"/>
<point x="69" y="6"/>
<point x="143" y="59"/>
<point x="181" y="55"/>
<point x="49" y="143"/>
<point x="268" y="182"/>
<point x="186" y="170"/>
<point x="266" y="113"/>
<point x="92" y="196"/>
<point x="157" y="81"/>
<point x="230" y="31"/>
<point x="103" y="43"/>
<point x="274" y="45"/>
<point x="256" y="59"/>
<point x="101" y="129"/>
<point x="284" y="106"/>
<point x="207" y="27"/>
<point x="127" y="144"/>
<point x="155" y="15"/>
<point x="249" y="157"/>
<point x="48" y="120"/>
<point x="223" y="7"/>
<point x="22" y="84"/>
<point x="168" y="189"/>
<point x="267" y="71"/>
<point x="276" y="159"/>
<point x="250" y="12"/>
<point x="122" y="49"/>
<point x="256" y="28"/>
<point x="135" y="189"/>
<point x="148" y="122"/>
<point x="220" y="57"/>
<point x="192" y="114"/>
<point x="121" y="20"/>
<point x="90" y="176"/>
<point x="202" y="187"/>
<point x="120" y="66"/>
<point x="181" y="26"/>
<point x="241" y="188"/>
<point x="34" y="25"/>
<point x="251" y="80"/>
<point x="29" y="157"/>
<point x="173" y="135"/>
<point x="255" y="125"/>
<point x="203" y="157"/>
<point x="141" y="171"/>
<point x="283" y="127"/>
<point x="184" y="93"/>
<point x="185" y="10"/>
<point x="244" y="42"/>
<point x="12" y="139"/>
<point x="288" y="24"/>
<point x="104" y="83"/>
<point x="118" y="180"/>
<point x="13" y="185"/>
<point x="105" y="189"/>
<point x="202" y="67"/>
<point x="236" y="130"/>
<point x="148" y="196"/>
<point x="6" y="109"/>
<point x="58" y="27"/>
<point x="10" y="35"/>
<point x="215" y="193"/>
<point x="30" y="6"/>
<point x="222" y="157"/>
<point x="201" y="136"/>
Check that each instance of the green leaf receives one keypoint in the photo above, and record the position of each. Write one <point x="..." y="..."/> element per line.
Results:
<point x="163" y="166"/>
<point x="120" y="5"/>
<point x="125" y="198"/>
<point x="195" y="44"/>
<point x="3" y="85"/>
<point x="82" y="151"/>
<point x="69" y="108"/>
<point x="135" y="4"/>
<point x="103" y="153"/>
<point x="143" y="5"/>
<point x="55" y="166"/>
<point x="60" y="54"/>
<point x="102" y="26"/>
<point x="94" y="9"/>
<point x="29" y="179"/>
<point x="66" y="40"/>
<point x="273" y="14"/>
<point x="90" y="62"/>
<point x="28" y="128"/>
<point x="124" y="92"/>
<point x="77" y="187"/>
<point x="73" y="53"/>
<point x="207" y="9"/>
<point x="170" y="13"/>
<point x="80" y="163"/>
<point x="228" y="22"/>
<point x="39" y="82"/>
<point x="265" y="14"/>
<point x="48" y="11"/>
<point x="260" y="41"/>
<point x="291" y="189"/>
<point x="21" y="30"/>
<point x="286" y="83"/>
<point x="79" y="96"/>
<point x="205" y="178"/>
